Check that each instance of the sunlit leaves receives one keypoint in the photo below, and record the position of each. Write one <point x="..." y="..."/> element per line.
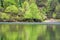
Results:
<point x="12" y="8"/>
<point x="4" y="16"/>
<point x="10" y="1"/>
<point x="33" y="12"/>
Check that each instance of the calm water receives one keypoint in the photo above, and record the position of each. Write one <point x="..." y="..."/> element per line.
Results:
<point x="29" y="32"/>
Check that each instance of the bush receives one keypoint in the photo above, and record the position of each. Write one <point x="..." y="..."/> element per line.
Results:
<point x="12" y="8"/>
<point x="32" y="12"/>
<point x="4" y="16"/>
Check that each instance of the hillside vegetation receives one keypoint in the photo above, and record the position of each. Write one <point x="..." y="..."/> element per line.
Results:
<point x="28" y="10"/>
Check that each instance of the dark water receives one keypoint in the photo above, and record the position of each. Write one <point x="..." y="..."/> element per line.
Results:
<point x="29" y="32"/>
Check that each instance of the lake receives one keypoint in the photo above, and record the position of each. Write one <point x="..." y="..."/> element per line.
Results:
<point x="29" y="31"/>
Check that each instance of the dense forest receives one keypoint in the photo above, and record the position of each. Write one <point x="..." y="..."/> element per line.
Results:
<point x="28" y="10"/>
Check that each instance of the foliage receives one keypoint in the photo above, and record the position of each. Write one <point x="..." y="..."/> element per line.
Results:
<point x="9" y="2"/>
<point x="58" y="8"/>
<point x="54" y="15"/>
<point x="12" y="8"/>
<point x="36" y="12"/>
<point x="57" y="11"/>
<point x="31" y="10"/>
<point x="51" y="6"/>
<point x="58" y="1"/>
<point x="0" y="7"/>
<point x="4" y="16"/>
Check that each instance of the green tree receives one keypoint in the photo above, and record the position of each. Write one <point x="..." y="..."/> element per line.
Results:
<point x="51" y="5"/>
<point x="57" y="11"/>
<point x="2" y="3"/>
<point x="32" y="11"/>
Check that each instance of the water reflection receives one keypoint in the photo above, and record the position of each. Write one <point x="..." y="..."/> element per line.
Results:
<point x="29" y="32"/>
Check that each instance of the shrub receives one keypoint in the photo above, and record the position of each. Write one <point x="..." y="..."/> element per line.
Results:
<point x="32" y="12"/>
<point x="4" y="16"/>
<point x="54" y="15"/>
<point x="12" y="8"/>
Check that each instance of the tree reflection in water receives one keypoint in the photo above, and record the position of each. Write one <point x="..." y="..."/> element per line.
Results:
<point x="29" y="32"/>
